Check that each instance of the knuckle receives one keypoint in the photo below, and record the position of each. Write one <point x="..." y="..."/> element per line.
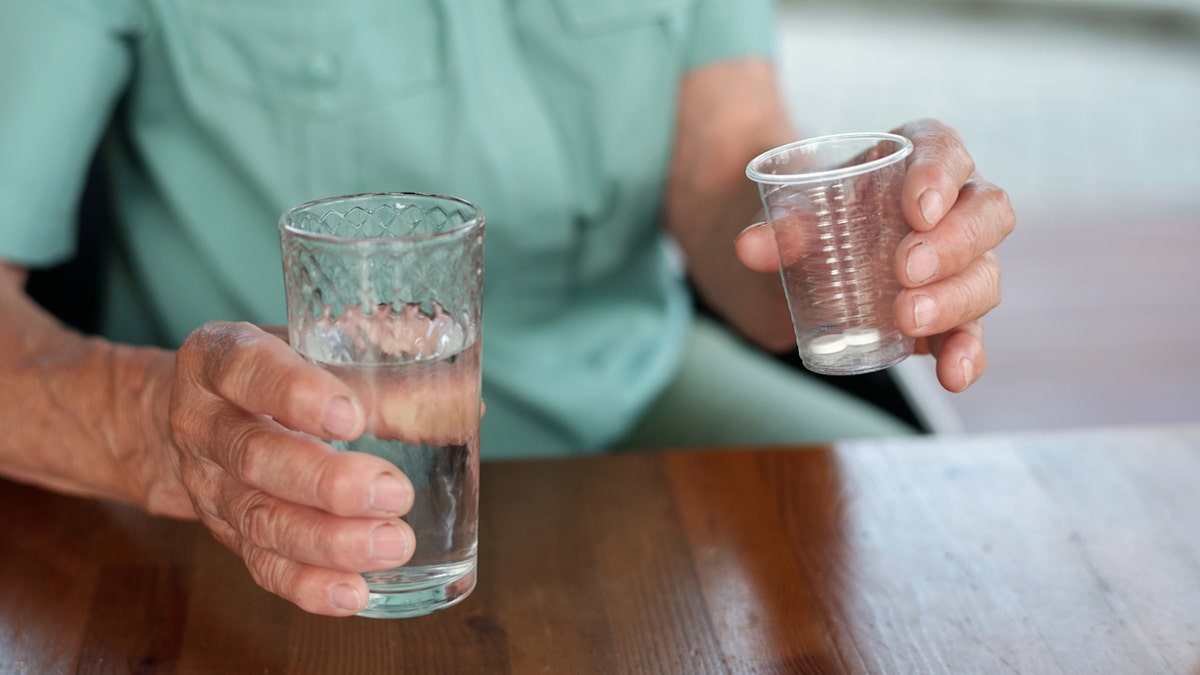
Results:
<point x="192" y="345"/>
<point x="338" y="485"/>
<point x="974" y="230"/>
<point x="1003" y="205"/>
<point x="996" y="200"/>
<point x="980" y="292"/>
<point x="991" y="267"/>
<point x="253" y="517"/>
<point x="269" y="571"/>
<point x="946" y="130"/>
<point x="191" y="434"/>
<point x="984" y="223"/>
<point x="184" y="409"/>
<point x="251" y="448"/>
<point x="185" y="426"/>
<point x="217" y="354"/>
<point x="989" y="263"/>
<point x="964" y="157"/>
<point x="202" y="341"/>
<point x="941" y="148"/>
<point x="927" y="128"/>
<point x="233" y="364"/>
<point x="966" y="304"/>
<point x="196" y="479"/>
<point x="973" y="328"/>
<point x="208" y="444"/>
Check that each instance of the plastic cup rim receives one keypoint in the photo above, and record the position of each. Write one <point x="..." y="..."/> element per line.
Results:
<point x="905" y="149"/>
<point x="474" y="221"/>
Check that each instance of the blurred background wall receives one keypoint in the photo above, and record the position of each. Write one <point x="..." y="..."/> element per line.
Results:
<point x="1088" y="113"/>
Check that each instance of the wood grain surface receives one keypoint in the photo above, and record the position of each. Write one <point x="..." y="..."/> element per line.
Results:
<point x="1065" y="552"/>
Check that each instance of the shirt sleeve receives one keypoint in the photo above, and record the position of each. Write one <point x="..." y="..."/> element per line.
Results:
<point x="730" y="29"/>
<point x="66" y="63"/>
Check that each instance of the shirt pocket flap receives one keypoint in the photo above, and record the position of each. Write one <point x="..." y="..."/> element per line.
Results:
<point x="315" y="59"/>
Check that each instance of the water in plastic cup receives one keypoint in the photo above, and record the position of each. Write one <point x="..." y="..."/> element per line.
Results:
<point x="833" y="203"/>
<point x="385" y="291"/>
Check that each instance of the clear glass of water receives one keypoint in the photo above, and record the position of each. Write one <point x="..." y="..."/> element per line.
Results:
<point x="385" y="290"/>
<point x="833" y="203"/>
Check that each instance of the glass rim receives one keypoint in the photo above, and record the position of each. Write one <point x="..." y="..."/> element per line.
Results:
<point x="474" y="221"/>
<point x="753" y="173"/>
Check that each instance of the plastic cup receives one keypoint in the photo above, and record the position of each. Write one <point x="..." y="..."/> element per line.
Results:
<point x="833" y="203"/>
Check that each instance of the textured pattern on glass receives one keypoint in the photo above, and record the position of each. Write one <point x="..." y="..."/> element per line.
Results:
<point x="367" y="287"/>
<point x="379" y="220"/>
<point x="385" y="291"/>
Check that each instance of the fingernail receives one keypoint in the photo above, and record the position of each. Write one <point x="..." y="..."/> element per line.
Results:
<point x="931" y="206"/>
<point x="968" y="371"/>
<point x="388" y="543"/>
<point x="341" y="417"/>
<point x="389" y="494"/>
<point x="921" y="264"/>
<point x="924" y="310"/>
<point x="751" y="226"/>
<point x="345" y="596"/>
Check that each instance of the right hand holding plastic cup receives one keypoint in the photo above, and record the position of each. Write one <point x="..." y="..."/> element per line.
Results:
<point x="957" y="220"/>
<point x="833" y="204"/>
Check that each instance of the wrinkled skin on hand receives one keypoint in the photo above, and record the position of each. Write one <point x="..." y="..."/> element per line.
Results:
<point x="947" y="264"/>
<point x="247" y="414"/>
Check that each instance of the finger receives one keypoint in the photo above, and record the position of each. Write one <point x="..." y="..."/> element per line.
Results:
<point x="311" y="536"/>
<point x="301" y="469"/>
<point x="756" y="249"/>
<point x="765" y="247"/>
<point x="261" y="373"/>
<point x="937" y="168"/>
<point x="315" y="589"/>
<point x="981" y="219"/>
<point x="961" y="357"/>
<point x="433" y="404"/>
<point x="943" y="305"/>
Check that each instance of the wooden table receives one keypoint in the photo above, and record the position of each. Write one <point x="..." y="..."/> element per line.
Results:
<point x="1046" y="553"/>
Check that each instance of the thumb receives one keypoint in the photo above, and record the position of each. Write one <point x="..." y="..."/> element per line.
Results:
<point x="756" y="248"/>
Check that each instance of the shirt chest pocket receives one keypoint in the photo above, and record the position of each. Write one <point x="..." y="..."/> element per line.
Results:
<point x="314" y="59"/>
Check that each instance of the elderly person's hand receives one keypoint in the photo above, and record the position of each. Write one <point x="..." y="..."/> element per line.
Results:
<point x="947" y="264"/>
<point x="247" y="415"/>
<point x="228" y="429"/>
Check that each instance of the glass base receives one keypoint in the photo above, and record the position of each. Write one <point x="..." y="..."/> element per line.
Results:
<point x="858" y="360"/>
<point x="403" y="600"/>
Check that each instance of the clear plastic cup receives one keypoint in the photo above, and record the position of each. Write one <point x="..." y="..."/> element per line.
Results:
<point x="833" y="203"/>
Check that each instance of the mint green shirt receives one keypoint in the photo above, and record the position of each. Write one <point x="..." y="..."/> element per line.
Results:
<point x="554" y="116"/>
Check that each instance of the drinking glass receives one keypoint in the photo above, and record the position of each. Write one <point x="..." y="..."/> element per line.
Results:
<point x="385" y="291"/>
